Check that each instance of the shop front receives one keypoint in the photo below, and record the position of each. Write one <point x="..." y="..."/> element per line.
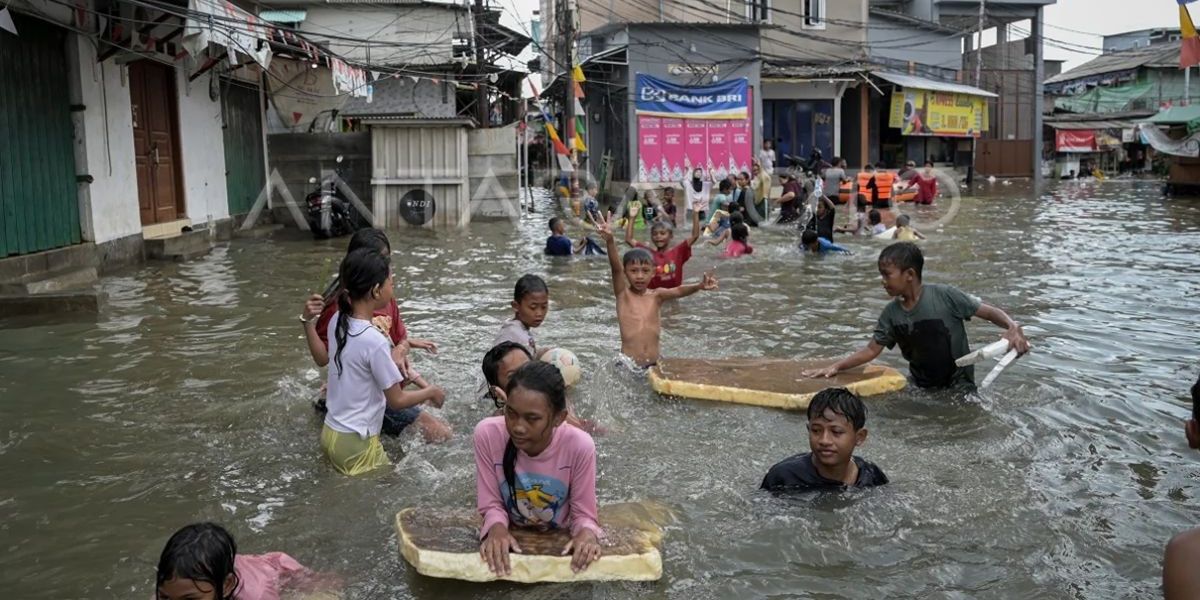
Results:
<point x="681" y="128"/>
<point x="931" y="120"/>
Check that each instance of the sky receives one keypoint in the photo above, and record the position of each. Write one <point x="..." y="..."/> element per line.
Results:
<point x="1076" y="24"/>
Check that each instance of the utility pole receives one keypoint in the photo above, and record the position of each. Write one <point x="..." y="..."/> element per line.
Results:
<point x="568" y="59"/>
<point x="978" y="81"/>
<point x="482" y="112"/>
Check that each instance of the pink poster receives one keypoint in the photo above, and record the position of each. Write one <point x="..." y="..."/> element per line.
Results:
<point x="695" y="150"/>
<point x="741" y="145"/>
<point x="649" y="149"/>
<point x="672" y="149"/>
<point x="718" y="147"/>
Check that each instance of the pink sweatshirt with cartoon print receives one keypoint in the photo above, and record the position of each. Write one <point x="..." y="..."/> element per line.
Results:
<point x="555" y="489"/>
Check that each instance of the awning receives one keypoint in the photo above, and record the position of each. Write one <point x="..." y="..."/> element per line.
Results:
<point x="1176" y="115"/>
<point x="284" y="16"/>
<point x="1079" y="125"/>
<point x="921" y="83"/>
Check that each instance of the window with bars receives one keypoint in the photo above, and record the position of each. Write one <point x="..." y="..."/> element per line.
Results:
<point x="814" y="14"/>
<point x="758" y="11"/>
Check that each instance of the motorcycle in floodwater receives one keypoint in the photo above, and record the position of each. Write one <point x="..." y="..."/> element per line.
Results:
<point x="330" y="214"/>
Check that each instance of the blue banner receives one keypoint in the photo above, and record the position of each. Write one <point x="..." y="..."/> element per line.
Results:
<point x="728" y="100"/>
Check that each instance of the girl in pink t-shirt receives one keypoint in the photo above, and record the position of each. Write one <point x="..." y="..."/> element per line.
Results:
<point x="200" y="562"/>
<point x="530" y="471"/>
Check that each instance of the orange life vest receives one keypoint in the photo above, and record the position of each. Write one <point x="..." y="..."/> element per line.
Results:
<point x="883" y="184"/>
<point x="845" y="190"/>
<point x="864" y="179"/>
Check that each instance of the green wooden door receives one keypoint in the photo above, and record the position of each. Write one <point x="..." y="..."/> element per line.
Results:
<point x="244" y="177"/>
<point x="39" y="205"/>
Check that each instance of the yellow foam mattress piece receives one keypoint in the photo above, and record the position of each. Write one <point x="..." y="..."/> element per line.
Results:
<point x="774" y="383"/>
<point x="445" y="543"/>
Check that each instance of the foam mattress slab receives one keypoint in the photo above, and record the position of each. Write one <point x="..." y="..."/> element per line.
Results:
<point x="774" y="383"/>
<point x="445" y="543"/>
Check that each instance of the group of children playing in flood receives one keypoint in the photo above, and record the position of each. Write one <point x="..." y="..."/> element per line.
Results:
<point x="535" y="459"/>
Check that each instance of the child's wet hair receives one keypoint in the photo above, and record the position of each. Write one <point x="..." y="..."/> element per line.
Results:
<point x="637" y="256"/>
<point x="554" y="221"/>
<point x="529" y="284"/>
<point x="875" y="217"/>
<point x="491" y="364"/>
<point x="808" y="238"/>
<point x="739" y="232"/>
<point x="372" y="238"/>
<point x="361" y="271"/>
<point x="662" y="225"/>
<point x="724" y="187"/>
<point x="545" y="379"/>
<point x="903" y="221"/>
<point x="903" y="256"/>
<point x="202" y="552"/>
<point x="842" y="402"/>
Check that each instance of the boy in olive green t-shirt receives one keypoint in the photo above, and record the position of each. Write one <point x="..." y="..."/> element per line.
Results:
<point x="926" y="321"/>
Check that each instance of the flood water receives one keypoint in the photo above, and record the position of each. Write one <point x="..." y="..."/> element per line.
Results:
<point x="188" y="399"/>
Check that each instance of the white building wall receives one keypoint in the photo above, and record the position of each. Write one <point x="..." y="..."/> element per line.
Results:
<point x="202" y="150"/>
<point x="104" y="146"/>
<point x="418" y="34"/>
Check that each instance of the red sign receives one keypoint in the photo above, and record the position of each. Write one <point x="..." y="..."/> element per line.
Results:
<point x="1078" y="140"/>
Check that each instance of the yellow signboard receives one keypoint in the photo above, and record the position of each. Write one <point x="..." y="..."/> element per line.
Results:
<point x="923" y="112"/>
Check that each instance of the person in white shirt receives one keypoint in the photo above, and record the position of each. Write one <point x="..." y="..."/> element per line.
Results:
<point x="766" y="156"/>
<point x="363" y="379"/>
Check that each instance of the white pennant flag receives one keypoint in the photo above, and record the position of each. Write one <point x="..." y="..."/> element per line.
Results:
<point x="6" y="22"/>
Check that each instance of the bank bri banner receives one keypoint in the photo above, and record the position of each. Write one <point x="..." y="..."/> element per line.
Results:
<point x="658" y="98"/>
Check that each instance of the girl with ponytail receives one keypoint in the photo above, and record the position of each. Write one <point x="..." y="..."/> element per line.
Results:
<point x="364" y="380"/>
<point x="318" y="314"/>
<point x="530" y="471"/>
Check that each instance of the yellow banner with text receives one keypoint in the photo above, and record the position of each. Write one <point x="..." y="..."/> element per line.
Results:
<point x="924" y="112"/>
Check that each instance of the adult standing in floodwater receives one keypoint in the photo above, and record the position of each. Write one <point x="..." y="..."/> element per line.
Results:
<point x="761" y="185"/>
<point x="766" y="157"/>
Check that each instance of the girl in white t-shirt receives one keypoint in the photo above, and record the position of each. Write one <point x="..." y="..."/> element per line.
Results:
<point x="698" y="191"/>
<point x="363" y="379"/>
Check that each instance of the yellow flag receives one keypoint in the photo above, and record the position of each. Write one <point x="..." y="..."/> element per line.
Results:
<point x="579" y="144"/>
<point x="577" y="74"/>
<point x="1187" y="29"/>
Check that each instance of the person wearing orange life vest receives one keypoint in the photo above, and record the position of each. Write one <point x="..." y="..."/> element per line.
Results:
<point x="885" y="180"/>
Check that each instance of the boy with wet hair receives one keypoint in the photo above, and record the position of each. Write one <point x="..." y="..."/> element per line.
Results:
<point x="926" y="321"/>
<point x="668" y="260"/>
<point x="558" y="244"/>
<point x="837" y="424"/>
<point x="811" y="242"/>
<point x="637" y="302"/>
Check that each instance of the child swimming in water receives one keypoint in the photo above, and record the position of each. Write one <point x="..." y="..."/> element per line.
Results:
<point x="530" y="471"/>
<point x="875" y="218"/>
<point x="364" y="380"/>
<point x="498" y="366"/>
<point x="201" y="562"/>
<point x="638" y="304"/>
<point x="926" y="320"/>
<point x="531" y="302"/>
<point x="837" y="424"/>
<point x="815" y="244"/>
<point x="904" y="231"/>
<point x="558" y="244"/>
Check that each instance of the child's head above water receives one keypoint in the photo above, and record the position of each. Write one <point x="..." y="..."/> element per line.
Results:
<point x="725" y="186"/>
<point x="900" y="266"/>
<point x="661" y="233"/>
<point x="501" y="362"/>
<point x="903" y="221"/>
<point x="531" y="300"/>
<point x="537" y="403"/>
<point x="197" y="564"/>
<point x="837" y="421"/>
<point x="556" y="226"/>
<point x="874" y="217"/>
<point x="739" y="232"/>
<point x="639" y="268"/>
<point x="808" y="240"/>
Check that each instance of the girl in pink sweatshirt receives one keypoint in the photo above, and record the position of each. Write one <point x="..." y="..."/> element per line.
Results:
<point x="530" y="471"/>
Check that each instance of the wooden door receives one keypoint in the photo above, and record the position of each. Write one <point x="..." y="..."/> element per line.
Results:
<point x="152" y="94"/>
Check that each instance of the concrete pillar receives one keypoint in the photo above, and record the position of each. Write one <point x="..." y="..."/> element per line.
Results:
<point x="1039" y="74"/>
<point x="864" y="116"/>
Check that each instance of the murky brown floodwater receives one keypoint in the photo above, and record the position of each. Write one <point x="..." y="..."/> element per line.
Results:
<point x="188" y="398"/>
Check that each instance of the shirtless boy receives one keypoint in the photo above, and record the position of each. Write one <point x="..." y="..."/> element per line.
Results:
<point x="637" y="305"/>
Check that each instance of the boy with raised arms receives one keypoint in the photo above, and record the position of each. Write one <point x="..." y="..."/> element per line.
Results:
<point x="926" y="321"/>
<point x="637" y="303"/>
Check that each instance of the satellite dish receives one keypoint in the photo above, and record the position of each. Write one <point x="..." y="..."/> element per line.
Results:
<point x="417" y="207"/>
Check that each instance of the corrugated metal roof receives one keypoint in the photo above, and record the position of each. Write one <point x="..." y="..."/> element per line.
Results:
<point x="284" y="16"/>
<point x="780" y="71"/>
<point x="921" y="83"/>
<point x="1162" y="55"/>
<point x="1110" y="124"/>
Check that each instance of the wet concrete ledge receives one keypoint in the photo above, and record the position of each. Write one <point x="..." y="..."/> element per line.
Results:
<point x="74" y="304"/>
